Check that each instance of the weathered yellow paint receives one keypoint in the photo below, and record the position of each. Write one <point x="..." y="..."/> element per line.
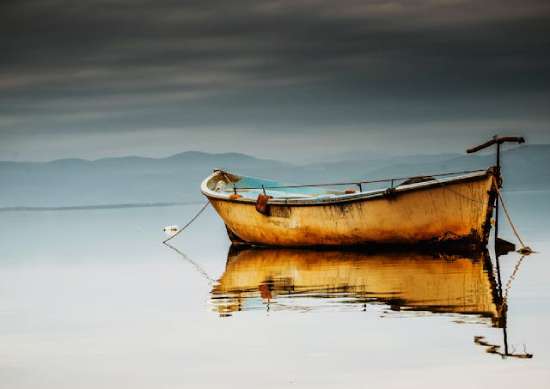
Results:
<point x="448" y="212"/>
<point x="451" y="284"/>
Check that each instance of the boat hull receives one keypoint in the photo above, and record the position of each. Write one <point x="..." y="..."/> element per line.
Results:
<point x="451" y="213"/>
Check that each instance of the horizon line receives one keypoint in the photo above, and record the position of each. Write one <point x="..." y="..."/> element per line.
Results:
<point x="225" y="153"/>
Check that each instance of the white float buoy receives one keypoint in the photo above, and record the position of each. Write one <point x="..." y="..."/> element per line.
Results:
<point x="171" y="230"/>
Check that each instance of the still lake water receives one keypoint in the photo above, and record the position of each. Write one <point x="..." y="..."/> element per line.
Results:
<point x="91" y="298"/>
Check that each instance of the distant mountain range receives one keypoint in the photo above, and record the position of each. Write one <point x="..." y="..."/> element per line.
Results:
<point x="175" y="179"/>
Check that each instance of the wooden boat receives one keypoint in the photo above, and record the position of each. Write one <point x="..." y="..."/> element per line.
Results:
<point x="412" y="281"/>
<point x="442" y="210"/>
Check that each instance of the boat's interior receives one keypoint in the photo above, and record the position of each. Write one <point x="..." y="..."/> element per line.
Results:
<point x="251" y="187"/>
<point x="224" y="184"/>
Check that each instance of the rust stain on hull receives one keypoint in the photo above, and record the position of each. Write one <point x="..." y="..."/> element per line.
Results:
<point x="451" y="212"/>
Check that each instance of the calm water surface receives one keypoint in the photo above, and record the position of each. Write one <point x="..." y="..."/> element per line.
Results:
<point x="91" y="298"/>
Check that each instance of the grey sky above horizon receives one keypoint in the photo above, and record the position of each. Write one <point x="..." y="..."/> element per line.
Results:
<point x="279" y="79"/>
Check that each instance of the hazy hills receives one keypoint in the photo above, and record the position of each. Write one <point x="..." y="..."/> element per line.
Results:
<point x="524" y="167"/>
<point x="129" y="180"/>
<point x="70" y="182"/>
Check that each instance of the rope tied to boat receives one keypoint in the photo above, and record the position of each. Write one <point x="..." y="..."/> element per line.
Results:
<point x="525" y="250"/>
<point x="188" y="223"/>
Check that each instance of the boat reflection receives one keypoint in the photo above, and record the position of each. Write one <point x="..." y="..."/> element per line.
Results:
<point x="414" y="281"/>
<point x="302" y="279"/>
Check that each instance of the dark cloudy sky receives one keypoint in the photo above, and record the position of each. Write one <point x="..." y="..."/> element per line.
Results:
<point x="282" y="79"/>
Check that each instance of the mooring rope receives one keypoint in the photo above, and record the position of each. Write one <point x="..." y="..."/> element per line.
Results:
<point x="188" y="223"/>
<point x="524" y="249"/>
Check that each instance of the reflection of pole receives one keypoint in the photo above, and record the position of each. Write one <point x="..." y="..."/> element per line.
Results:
<point x="499" y="282"/>
<point x="502" y="308"/>
<point x="496" y="197"/>
<point x="505" y="340"/>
